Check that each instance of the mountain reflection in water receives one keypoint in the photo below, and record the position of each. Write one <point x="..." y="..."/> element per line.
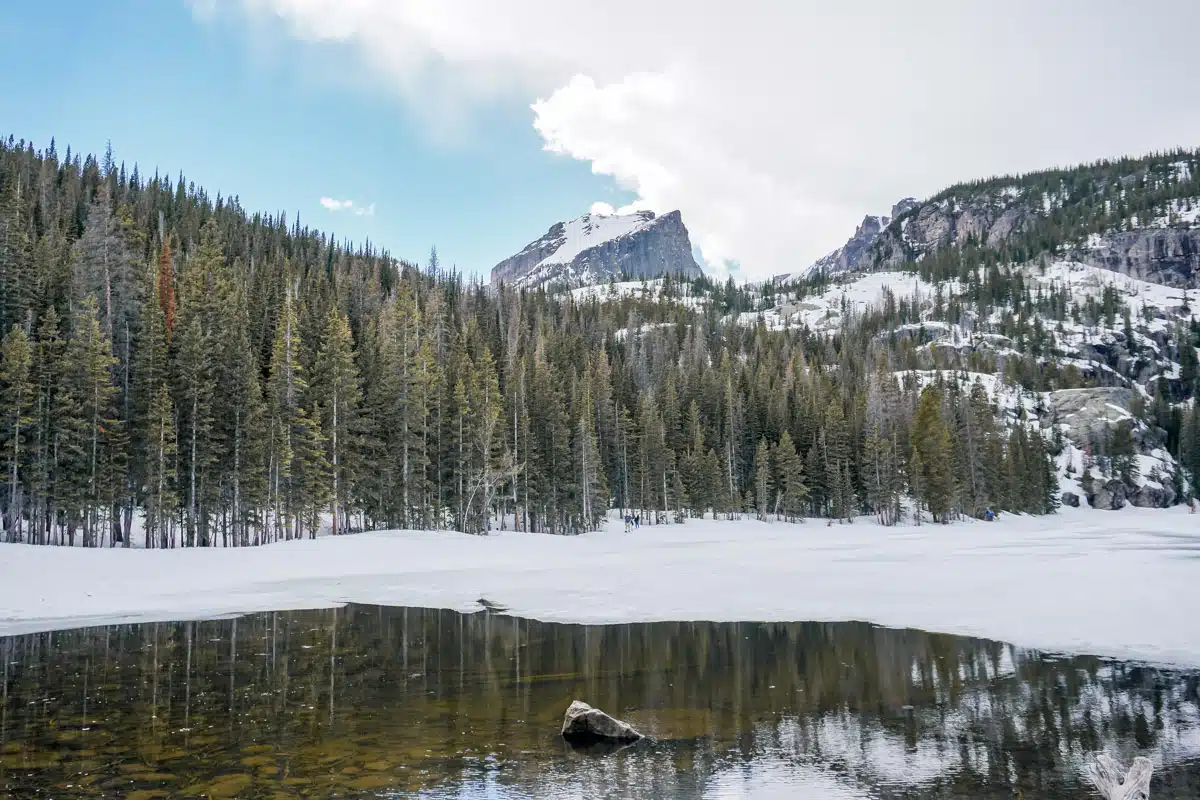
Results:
<point x="374" y="702"/>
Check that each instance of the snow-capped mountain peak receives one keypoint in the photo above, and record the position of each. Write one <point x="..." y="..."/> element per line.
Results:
<point x="596" y="247"/>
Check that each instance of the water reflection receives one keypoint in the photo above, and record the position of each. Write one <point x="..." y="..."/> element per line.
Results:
<point x="366" y="701"/>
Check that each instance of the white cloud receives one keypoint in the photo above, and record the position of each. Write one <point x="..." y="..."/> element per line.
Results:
<point x="776" y="124"/>
<point x="333" y="205"/>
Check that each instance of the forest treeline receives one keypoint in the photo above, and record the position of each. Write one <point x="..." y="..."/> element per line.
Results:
<point x="176" y="368"/>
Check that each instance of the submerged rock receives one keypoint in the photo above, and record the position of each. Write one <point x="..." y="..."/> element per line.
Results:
<point x="1070" y="499"/>
<point x="585" y="724"/>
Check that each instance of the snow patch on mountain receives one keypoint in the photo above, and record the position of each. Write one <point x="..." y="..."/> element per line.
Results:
<point x="850" y="295"/>
<point x="593" y="229"/>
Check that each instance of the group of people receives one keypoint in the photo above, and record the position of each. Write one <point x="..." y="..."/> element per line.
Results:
<point x="632" y="521"/>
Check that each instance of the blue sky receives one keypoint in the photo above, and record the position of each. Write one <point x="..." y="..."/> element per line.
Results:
<point x="773" y="126"/>
<point x="282" y="123"/>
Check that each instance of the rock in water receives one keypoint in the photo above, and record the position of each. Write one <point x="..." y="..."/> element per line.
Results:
<point x="584" y="724"/>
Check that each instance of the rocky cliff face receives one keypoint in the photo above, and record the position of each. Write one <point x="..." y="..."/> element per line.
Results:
<point x="856" y="253"/>
<point x="1138" y="218"/>
<point x="931" y="226"/>
<point x="595" y="248"/>
<point x="1170" y="256"/>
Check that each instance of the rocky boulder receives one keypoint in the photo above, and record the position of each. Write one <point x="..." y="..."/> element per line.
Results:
<point x="584" y="724"/>
<point x="1153" y="495"/>
<point x="1109" y="496"/>
<point x="1070" y="499"/>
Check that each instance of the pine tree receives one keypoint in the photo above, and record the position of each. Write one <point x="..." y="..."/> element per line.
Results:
<point x="763" y="481"/>
<point x="86" y="424"/>
<point x="241" y="425"/>
<point x="295" y="458"/>
<point x="160" y="499"/>
<point x="43" y="476"/>
<point x="17" y="273"/>
<point x="592" y="485"/>
<point x="931" y="442"/>
<point x="337" y="398"/>
<point x="814" y="468"/>
<point x="917" y="486"/>
<point x="1124" y="453"/>
<point x="166" y="287"/>
<point x="17" y="398"/>
<point x="487" y="466"/>
<point x="789" y="468"/>
<point x="1048" y="472"/>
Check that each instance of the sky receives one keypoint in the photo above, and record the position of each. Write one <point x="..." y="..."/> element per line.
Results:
<point x="473" y="125"/>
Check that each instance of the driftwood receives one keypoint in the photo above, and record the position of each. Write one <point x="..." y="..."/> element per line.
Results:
<point x="1113" y="783"/>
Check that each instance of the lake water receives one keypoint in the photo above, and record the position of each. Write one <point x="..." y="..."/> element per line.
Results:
<point x="391" y="702"/>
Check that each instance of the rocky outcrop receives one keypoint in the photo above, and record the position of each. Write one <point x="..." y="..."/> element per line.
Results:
<point x="1108" y="496"/>
<point x="584" y="724"/>
<point x="984" y="220"/>
<point x="1070" y="499"/>
<point x="1153" y="495"/>
<point x="1170" y="256"/>
<point x="1009" y="222"/>
<point x="595" y="248"/>
<point x="1091" y="413"/>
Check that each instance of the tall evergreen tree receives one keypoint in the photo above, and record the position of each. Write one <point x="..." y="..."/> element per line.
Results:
<point x="337" y="398"/>
<point x="17" y="399"/>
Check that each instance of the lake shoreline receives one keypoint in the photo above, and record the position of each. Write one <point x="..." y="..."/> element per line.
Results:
<point x="1121" y="585"/>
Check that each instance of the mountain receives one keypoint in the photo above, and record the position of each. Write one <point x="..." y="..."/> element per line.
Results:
<point x="851" y="255"/>
<point x="1134" y="216"/>
<point x="1064" y="291"/>
<point x="596" y="248"/>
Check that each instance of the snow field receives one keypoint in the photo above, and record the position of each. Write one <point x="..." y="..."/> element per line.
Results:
<point x="1122" y="584"/>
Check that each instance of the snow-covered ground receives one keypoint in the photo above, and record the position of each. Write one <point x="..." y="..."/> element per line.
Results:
<point x="1122" y="584"/>
<point x="852" y="293"/>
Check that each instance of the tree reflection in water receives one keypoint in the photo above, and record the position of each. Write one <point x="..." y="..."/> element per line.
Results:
<point x="370" y="701"/>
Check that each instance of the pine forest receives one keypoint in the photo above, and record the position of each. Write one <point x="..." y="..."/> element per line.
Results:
<point x="177" y="371"/>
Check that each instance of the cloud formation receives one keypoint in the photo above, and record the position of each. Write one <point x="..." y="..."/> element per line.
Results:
<point x="774" y="125"/>
<point x="334" y="205"/>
